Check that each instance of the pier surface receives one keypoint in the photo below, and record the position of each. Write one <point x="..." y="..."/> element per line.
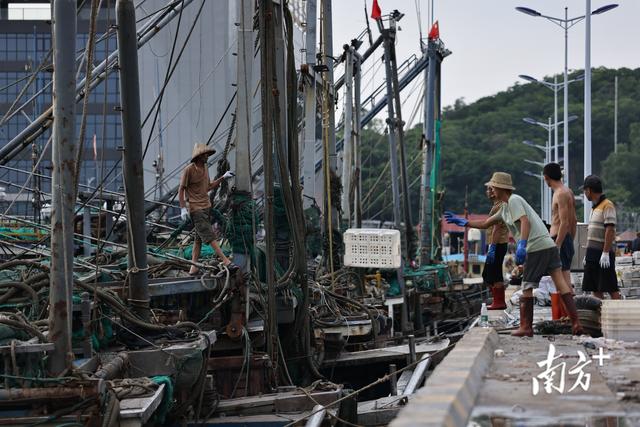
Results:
<point x="488" y="380"/>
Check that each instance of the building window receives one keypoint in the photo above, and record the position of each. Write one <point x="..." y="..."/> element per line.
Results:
<point x="29" y="11"/>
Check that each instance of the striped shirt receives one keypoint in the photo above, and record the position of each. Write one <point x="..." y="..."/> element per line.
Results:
<point x="602" y="215"/>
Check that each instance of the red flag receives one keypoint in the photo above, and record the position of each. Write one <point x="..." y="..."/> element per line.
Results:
<point x="376" y="13"/>
<point x="434" y="32"/>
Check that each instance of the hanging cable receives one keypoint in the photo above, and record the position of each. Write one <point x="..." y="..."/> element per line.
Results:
<point x="95" y="6"/>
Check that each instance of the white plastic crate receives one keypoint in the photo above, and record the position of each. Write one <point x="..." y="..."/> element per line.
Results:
<point x="620" y="319"/>
<point x="624" y="260"/>
<point x="372" y="248"/>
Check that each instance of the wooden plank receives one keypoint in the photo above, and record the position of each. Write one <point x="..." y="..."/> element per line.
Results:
<point x="30" y="346"/>
<point x="141" y="407"/>
<point x="380" y="355"/>
<point x="251" y="420"/>
<point x="380" y="411"/>
<point x="355" y="328"/>
<point x="161" y="361"/>
<point x="404" y="380"/>
<point x="288" y="401"/>
<point x="173" y="285"/>
<point x="304" y="402"/>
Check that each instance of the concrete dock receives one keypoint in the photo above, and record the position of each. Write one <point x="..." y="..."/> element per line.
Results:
<point x="488" y="380"/>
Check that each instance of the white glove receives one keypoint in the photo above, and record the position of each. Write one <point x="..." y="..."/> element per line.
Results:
<point x="184" y="214"/>
<point x="604" y="260"/>
<point x="228" y="174"/>
<point x="584" y="261"/>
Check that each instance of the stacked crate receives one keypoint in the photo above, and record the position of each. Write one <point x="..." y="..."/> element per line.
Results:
<point x="620" y="319"/>
<point x="628" y="272"/>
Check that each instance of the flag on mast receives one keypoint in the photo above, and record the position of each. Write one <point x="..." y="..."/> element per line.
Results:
<point x="376" y="13"/>
<point x="434" y="32"/>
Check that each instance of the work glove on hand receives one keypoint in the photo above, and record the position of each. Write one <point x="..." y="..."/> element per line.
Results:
<point x="228" y="174"/>
<point x="491" y="254"/>
<point x="521" y="252"/>
<point x="184" y="214"/>
<point x="604" y="260"/>
<point x="453" y="219"/>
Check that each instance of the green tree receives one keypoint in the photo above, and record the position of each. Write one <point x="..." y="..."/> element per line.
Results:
<point x="486" y="136"/>
<point x="621" y="172"/>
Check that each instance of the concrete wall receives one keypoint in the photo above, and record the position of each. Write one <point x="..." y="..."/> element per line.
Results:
<point x="200" y="88"/>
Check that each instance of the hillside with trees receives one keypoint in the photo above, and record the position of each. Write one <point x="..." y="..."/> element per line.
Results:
<point x="487" y="135"/>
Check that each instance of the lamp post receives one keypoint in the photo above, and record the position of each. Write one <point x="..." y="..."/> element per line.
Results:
<point x="547" y="126"/>
<point x="548" y="149"/>
<point x="545" y="195"/>
<point x="544" y="149"/>
<point x="565" y="24"/>
<point x="587" y="95"/>
<point x="539" y="176"/>
<point x="555" y="87"/>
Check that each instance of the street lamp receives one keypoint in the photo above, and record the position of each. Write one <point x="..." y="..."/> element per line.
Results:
<point x="545" y="194"/>
<point x="547" y="126"/>
<point x="540" y="177"/>
<point x="565" y="24"/>
<point x="587" y="94"/>
<point x="538" y="146"/>
<point x="548" y="149"/>
<point x="544" y="149"/>
<point x="555" y="87"/>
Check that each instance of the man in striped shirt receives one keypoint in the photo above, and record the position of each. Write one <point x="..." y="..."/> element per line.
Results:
<point x="600" y="260"/>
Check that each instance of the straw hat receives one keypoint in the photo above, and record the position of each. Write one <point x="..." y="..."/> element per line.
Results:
<point x="200" y="149"/>
<point x="501" y="180"/>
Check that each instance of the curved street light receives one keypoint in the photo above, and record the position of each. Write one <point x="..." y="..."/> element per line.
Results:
<point x="565" y="24"/>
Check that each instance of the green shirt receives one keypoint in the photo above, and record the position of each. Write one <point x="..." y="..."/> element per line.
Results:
<point x="515" y="209"/>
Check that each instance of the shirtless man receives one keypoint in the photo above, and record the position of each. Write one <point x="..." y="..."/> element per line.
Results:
<point x="563" y="216"/>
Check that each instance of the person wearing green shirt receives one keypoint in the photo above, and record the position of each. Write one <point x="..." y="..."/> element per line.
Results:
<point x="535" y="250"/>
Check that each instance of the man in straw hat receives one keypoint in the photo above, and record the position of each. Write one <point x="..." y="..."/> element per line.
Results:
<point x="536" y="250"/>
<point x="195" y="183"/>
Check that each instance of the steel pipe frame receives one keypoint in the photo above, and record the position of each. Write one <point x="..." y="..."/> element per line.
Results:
<point x="100" y="72"/>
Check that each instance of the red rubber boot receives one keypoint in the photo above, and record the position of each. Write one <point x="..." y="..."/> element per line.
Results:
<point x="569" y="303"/>
<point x="498" y="298"/>
<point x="526" y="318"/>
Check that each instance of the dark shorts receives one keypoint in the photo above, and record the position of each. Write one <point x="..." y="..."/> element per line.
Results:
<point x="538" y="264"/>
<point x="567" y="251"/>
<point x="492" y="273"/>
<point x="596" y="278"/>
<point x="202" y="224"/>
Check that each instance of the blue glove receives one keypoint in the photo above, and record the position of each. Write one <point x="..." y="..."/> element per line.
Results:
<point x="491" y="254"/>
<point x="453" y="219"/>
<point x="521" y="252"/>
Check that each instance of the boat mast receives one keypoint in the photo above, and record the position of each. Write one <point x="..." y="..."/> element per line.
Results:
<point x="62" y="184"/>
<point x="132" y="170"/>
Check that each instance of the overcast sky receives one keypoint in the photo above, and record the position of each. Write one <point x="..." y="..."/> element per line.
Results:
<point x="492" y="43"/>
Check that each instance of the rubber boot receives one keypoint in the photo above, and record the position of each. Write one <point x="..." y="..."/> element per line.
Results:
<point x="569" y="303"/>
<point x="498" y="298"/>
<point x="526" y="318"/>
